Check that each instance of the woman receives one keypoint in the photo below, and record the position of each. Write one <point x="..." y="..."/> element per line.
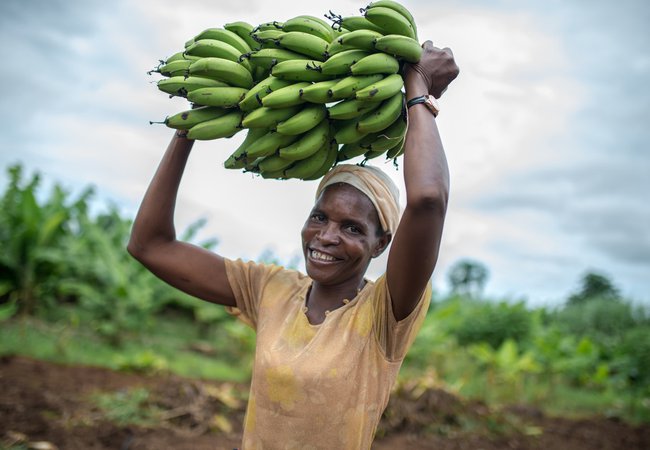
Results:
<point x="329" y="343"/>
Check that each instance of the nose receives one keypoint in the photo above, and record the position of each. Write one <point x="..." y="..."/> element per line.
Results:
<point x="329" y="234"/>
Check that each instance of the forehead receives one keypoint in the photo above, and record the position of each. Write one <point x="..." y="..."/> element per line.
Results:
<point x="348" y="202"/>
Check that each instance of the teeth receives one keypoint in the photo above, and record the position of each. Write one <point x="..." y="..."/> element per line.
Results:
<point x="321" y="256"/>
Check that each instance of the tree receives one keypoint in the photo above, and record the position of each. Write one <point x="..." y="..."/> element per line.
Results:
<point x="468" y="277"/>
<point x="594" y="286"/>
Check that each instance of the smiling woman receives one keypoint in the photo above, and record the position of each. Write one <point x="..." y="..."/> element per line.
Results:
<point x="329" y="343"/>
<point x="340" y="238"/>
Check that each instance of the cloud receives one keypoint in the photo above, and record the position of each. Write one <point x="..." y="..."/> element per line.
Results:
<point x="543" y="129"/>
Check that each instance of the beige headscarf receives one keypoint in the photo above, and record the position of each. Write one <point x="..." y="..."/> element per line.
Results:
<point x="378" y="186"/>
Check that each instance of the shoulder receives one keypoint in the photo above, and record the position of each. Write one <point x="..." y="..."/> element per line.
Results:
<point x="263" y="272"/>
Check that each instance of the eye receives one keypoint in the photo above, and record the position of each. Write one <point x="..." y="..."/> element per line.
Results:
<point x="317" y="217"/>
<point x="354" y="229"/>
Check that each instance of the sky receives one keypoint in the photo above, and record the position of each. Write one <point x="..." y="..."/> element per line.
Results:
<point x="546" y="130"/>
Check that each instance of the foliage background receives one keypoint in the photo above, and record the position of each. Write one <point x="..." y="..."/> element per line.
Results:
<point x="69" y="292"/>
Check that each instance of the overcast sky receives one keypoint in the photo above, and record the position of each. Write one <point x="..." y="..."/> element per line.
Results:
<point x="546" y="129"/>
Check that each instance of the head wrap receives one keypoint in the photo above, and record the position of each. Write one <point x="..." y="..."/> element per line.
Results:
<point x="378" y="187"/>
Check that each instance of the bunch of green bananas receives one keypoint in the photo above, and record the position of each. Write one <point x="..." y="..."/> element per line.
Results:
<point x="309" y="93"/>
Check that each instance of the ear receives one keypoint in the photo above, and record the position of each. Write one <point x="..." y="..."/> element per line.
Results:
<point x="382" y="243"/>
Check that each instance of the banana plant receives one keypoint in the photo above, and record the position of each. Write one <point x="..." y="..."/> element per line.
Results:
<point x="31" y="233"/>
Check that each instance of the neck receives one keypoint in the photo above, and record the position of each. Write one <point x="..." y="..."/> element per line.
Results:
<point x="327" y="297"/>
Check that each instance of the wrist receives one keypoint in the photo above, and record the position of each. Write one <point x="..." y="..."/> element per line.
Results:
<point x="180" y="140"/>
<point x="415" y="85"/>
<point x="427" y="101"/>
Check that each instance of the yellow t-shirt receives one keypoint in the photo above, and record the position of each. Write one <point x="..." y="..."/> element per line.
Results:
<point x="319" y="386"/>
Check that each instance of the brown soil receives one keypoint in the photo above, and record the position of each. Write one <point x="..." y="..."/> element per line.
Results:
<point x="49" y="406"/>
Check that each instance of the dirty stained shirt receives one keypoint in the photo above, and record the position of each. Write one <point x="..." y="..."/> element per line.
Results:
<point x="319" y="386"/>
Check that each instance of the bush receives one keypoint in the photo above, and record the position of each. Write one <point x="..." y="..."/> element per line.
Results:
<point x="632" y="357"/>
<point x="602" y="319"/>
<point x="494" y="323"/>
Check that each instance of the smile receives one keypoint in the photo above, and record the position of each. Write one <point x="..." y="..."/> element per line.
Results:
<point x="319" y="256"/>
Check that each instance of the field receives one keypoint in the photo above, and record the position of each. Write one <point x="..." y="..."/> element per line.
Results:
<point x="96" y="353"/>
<point x="46" y="402"/>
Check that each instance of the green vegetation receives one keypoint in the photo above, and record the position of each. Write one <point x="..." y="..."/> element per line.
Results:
<point x="128" y="407"/>
<point x="70" y="293"/>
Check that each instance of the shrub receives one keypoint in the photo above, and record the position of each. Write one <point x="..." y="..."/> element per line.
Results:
<point x="494" y="323"/>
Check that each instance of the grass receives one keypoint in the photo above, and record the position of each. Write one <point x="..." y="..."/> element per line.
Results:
<point x="165" y="347"/>
<point x="127" y="407"/>
<point x="228" y="356"/>
<point x="443" y="364"/>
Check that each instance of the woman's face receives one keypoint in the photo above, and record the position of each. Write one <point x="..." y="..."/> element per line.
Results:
<point x="341" y="236"/>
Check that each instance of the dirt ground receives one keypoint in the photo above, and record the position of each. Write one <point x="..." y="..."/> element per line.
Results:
<point x="50" y="407"/>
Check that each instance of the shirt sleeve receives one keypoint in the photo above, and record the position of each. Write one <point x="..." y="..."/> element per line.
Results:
<point x="247" y="281"/>
<point x="395" y="337"/>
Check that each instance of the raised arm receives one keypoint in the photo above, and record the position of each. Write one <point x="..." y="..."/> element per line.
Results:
<point x="415" y="247"/>
<point x="187" y="267"/>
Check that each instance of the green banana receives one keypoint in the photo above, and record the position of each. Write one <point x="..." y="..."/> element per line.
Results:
<point x="211" y="48"/>
<point x="273" y="25"/>
<point x="277" y="175"/>
<point x="347" y="87"/>
<point x="269" y="57"/>
<point x="381" y="118"/>
<point x="336" y="47"/>
<point x="329" y="162"/>
<point x="260" y="73"/>
<point x="268" y="118"/>
<point x="253" y="98"/>
<point x="307" y="143"/>
<point x="385" y="139"/>
<point x="339" y="64"/>
<point x="305" y="120"/>
<point x="243" y="30"/>
<point x="349" y="151"/>
<point x="224" y="97"/>
<point x="299" y="70"/>
<point x="308" y="166"/>
<point x="179" y="56"/>
<point x="350" y="109"/>
<point x="286" y="96"/>
<point x="187" y="119"/>
<point x="268" y="144"/>
<point x="227" y="36"/>
<point x="266" y="38"/>
<point x="354" y="23"/>
<point x="375" y="63"/>
<point x="400" y="46"/>
<point x="318" y="92"/>
<point x="360" y="39"/>
<point x="181" y="85"/>
<point x="391" y="21"/>
<point x="397" y="150"/>
<point x="347" y="132"/>
<point x="224" y="126"/>
<point x="175" y="68"/>
<point x="371" y="154"/>
<point x="323" y="22"/>
<point x="238" y="160"/>
<point x="305" y="43"/>
<point x="381" y="90"/>
<point x="393" y="151"/>
<point x="397" y="7"/>
<point x="223" y="70"/>
<point x="309" y="24"/>
<point x="273" y="163"/>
